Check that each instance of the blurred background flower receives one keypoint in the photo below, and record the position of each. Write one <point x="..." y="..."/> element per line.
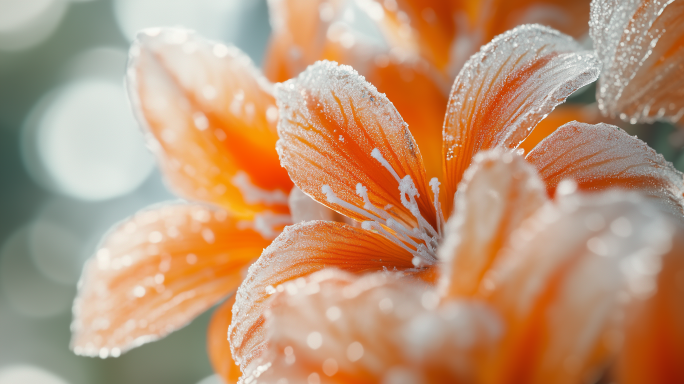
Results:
<point x="73" y="162"/>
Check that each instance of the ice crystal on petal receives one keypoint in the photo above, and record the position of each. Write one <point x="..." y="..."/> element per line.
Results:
<point x="604" y="156"/>
<point x="503" y="91"/>
<point x="639" y="44"/>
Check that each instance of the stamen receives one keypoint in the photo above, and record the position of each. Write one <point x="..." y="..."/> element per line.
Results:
<point x="421" y="241"/>
<point x="363" y="193"/>
<point x="375" y="153"/>
<point x="434" y="184"/>
<point x="333" y="199"/>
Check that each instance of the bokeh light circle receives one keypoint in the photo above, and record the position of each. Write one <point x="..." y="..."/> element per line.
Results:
<point x="28" y="374"/>
<point x="82" y="140"/>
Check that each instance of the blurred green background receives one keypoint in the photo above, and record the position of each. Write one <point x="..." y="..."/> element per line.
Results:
<point x="72" y="163"/>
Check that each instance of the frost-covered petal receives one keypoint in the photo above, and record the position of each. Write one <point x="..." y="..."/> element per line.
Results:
<point x="560" y="283"/>
<point x="379" y="328"/>
<point x="497" y="193"/>
<point x="211" y="120"/>
<point x="603" y="156"/>
<point x="506" y="89"/>
<point x="654" y="325"/>
<point x="157" y="271"/>
<point x="299" y="251"/>
<point x="640" y="43"/>
<point x="345" y="145"/>
<point x="218" y="346"/>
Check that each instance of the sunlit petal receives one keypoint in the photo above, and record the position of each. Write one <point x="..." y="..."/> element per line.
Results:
<point x="506" y="89"/>
<point x="498" y="192"/>
<point x="299" y="251"/>
<point x="603" y="156"/>
<point x="561" y="281"/>
<point x="654" y="333"/>
<point x="211" y="119"/>
<point x="380" y="328"/>
<point x="157" y="271"/>
<point x="345" y="145"/>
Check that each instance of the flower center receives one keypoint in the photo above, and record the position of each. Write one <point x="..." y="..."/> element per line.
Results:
<point x="420" y="240"/>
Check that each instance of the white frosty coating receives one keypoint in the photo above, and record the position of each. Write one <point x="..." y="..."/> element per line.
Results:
<point x="411" y="333"/>
<point x="553" y="260"/>
<point x="481" y="116"/>
<point x="602" y="156"/>
<point x="301" y="250"/>
<point x="304" y="208"/>
<point x="180" y="100"/>
<point x="498" y="192"/>
<point x="140" y="285"/>
<point x="358" y="176"/>
<point x="268" y="224"/>
<point x="253" y="194"/>
<point x="632" y="38"/>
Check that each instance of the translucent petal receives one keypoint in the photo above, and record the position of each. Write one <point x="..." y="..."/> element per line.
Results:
<point x="299" y="251"/>
<point x="379" y="328"/>
<point x="424" y="28"/>
<point x="345" y="145"/>
<point x="654" y="333"/>
<point x="305" y="31"/>
<point x="603" y="156"/>
<point x="157" y="271"/>
<point x="560" y="283"/>
<point x="218" y="346"/>
<point x="420" y="95"/>
<point x="498" y="192"/>
<point x="446" y="33"/>
<point x="211" y="120"/>
<point x="563" y="114"/>
<point x="641" y="45"/>
<point x="506" y="89"/>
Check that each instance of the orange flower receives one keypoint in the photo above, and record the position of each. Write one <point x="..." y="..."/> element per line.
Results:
<point x="582" y="288"/>
<point x="345" y="145"/>
<point x="210" y="118"/>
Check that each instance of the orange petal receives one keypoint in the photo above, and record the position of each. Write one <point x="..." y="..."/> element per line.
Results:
<point x="420" y="96"/>
<point x="305" y="31"/>
<point x="603" y="156"/>
<point x="218" y="346"/>
<point x="424" y="28"/>
<point x="345" y="145"/>
<point x="568" y="16"/>
<point x="641" y="45"/>
<point x="379" y="328"/>
<point x="211" y="118"/>
<point x="560" y="284"/>
<point x="506" y="89"/>
<point x="498" y="192"/>
<point x="563" y="114"/>
<point x="156" y="272"/>
<point x="654" y="334"/>
<point x="301" y="250"/>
